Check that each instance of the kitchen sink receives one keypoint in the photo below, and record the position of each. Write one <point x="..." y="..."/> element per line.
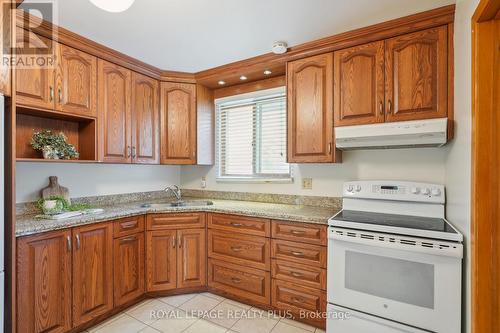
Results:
<point x="182" y="203"/>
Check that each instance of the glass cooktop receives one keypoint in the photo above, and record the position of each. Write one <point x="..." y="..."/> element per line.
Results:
<point x="396" y="221"/>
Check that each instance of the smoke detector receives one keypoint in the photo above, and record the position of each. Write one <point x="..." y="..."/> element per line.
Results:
<point x="279" y="47"/>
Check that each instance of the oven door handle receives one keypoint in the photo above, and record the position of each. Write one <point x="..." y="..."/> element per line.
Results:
<point x="436" y="248"/>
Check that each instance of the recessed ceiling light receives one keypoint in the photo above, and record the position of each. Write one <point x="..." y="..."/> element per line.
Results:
<point x="267" y="72"/>
<point x="221" y="83"/>
<point x="113" y="6"/>
<point x="243" y="78"/>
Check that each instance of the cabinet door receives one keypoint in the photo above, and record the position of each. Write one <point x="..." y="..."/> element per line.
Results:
<point x="178" y="123"/>
<point x="114" y="113"/>
<point x="128" y="268"/>
<point x="92" y="271"/>
<point x="191" y="258"/>
<point x="310" y="110"/>
<point x="5" y="42"/>
<point x="35" y="84"/>
<point x="76" y="79"/>
<point x="161" y="252"/>
<point x="44" y="282"/>
<point x="145" y="120"/>
<point x="417" y="75"/>
<point x="359" y="85"/>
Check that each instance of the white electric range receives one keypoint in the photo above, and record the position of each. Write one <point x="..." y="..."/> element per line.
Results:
<point x="394" y="261"/>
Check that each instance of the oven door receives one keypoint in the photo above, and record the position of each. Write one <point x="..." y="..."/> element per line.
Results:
<point x="409" y="280"/>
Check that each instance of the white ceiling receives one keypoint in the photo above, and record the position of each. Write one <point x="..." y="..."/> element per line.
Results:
<point x="194" y="35"/>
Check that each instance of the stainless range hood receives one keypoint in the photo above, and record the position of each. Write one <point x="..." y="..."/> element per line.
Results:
<point x="418" y="133"/>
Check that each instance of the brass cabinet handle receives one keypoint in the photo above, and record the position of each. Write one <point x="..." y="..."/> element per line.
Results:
<point x="128" y="239"/>
<point x="68" y="243"/>
<point x="236" y="280"/>
<point x="389" y="106"/>
<point x="297" y="254"/>
<point x="179" y="241"/>
<point x="237" y="225"/>
<point x="330" y="148"/>
<point x="129" y="151"/>
<point x="128" y="225"/>
<point x="59" y="92"/>
<point x="133" y="152"/>
<point x="77" y="241"/>
<point x="297" y="300"/>
<point x="381" y="108"/>
<point x="236" y="248"/>
<point x="297" y="275"/>
<point x="51" y="93"/>
<point x="174" y="242"/>
<point x="298" y="232"/>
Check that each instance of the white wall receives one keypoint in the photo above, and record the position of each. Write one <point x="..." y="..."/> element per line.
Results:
<point x="423" y="164"/>
<point x="93" y="179"/>
<point x="458" y="153"/>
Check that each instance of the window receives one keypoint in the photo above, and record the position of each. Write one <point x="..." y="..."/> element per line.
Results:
<point x="251" y="137"/>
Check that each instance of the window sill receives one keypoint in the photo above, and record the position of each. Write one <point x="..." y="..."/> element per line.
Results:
<point x="255" y="180"/>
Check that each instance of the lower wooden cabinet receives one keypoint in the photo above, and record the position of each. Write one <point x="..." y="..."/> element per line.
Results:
<point x="44" y="283"/>
<point x="92" y="271"/>
<point x="128" y="268"/>
<point x="175" y="259"/>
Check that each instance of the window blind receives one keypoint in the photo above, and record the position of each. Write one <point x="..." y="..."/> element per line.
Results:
<point x="251" y="138"/>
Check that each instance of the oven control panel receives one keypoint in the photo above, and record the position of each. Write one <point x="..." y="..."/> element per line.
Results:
<point x="395" y="190"/>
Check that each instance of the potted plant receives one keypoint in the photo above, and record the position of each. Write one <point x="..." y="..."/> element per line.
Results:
<point x="53" y="145"/>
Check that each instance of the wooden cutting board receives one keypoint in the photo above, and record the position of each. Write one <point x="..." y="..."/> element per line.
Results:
<point x="55" y="190"/>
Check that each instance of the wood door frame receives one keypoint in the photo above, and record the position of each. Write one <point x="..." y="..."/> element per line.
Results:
<point x="485" y="233"/>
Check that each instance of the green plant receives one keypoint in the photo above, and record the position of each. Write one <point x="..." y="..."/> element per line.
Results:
<point x="56" y="141"/>
<point x="61" y="206"/>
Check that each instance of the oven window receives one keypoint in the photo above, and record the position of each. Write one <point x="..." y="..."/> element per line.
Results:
<point x="400" y="280"/>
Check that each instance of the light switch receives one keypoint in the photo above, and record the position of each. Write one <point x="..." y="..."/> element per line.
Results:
<point x="307" y="183"/>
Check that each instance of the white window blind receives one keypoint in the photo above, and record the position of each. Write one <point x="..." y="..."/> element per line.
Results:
<point x="251" y="137"/>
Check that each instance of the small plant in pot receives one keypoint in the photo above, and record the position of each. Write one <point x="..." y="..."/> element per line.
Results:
<point x="53" y="145"/>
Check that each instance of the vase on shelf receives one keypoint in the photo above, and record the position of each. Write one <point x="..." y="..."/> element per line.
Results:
<point x="50" y="153"/>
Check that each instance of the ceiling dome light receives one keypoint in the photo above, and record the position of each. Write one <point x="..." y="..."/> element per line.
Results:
<point x="243" y="78"/>
<point x="280" y="47"/>
<point x="221" y="83"/>
<point x="267" y="72"/>
<point x="113" y="6"/>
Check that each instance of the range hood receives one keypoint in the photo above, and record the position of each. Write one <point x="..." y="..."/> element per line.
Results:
<point x="418" y="133"/>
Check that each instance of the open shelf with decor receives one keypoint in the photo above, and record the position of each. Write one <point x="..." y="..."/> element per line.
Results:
<point x="81" y="132"/>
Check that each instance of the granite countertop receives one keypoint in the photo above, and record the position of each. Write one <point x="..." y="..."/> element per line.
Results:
<point x="29" y="225"/>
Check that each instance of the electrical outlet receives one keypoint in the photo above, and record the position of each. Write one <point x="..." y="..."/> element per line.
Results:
<point x="203" y="182"/>
<point x="307" y="183"/>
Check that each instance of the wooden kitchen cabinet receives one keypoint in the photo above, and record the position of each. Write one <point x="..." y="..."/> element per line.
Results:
<point x="44" y="299"/>
<point x="178" y="123"/>
<point x="416" y="69"/>
<point x="191" y="258"/>
<point x="76" y="82"/>
<point x="161" y="260"/>
<point x="358" y="93"/>
<point x="115" y="123"/>
<point x="92" y="271"/>
<point x="128" y="268"/>
<point x="310" y="110"/>
<point x="145" y="120"/>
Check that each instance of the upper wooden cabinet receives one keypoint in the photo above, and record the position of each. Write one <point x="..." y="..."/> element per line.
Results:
<point x="145" y="120"/>
<point x="115" y="123"/>
<point x="416" y="67"/>
<point x="178" y="123"/>
<point x="359" y="85"/>
<point x="70" y="86"/>
<point x="310" y="110"/>
<point x="44" y="283"/>
<point x="92" y="271"/>
<point x="76" y="82"/>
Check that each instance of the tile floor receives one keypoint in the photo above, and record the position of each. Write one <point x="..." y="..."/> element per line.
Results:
<point x="198" y="313"/>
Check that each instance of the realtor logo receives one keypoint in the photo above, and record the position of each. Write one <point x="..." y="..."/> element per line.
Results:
<point x="33" y="46"/>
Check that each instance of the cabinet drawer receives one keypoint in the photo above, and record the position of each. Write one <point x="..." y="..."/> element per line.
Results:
<point x="250" y="251"/>
<point x="297" y="299"/>
<point x="240" y="224"/>
<point x="175" y="221"/>
<point x="300" y="232"/>
<point x="300" y="253"/>
<point x="240" y="281"/>
<point x="305" y="275"/>
<point x="128" y="226"/>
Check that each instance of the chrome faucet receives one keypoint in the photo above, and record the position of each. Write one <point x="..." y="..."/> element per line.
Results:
<point x="176" y="191"/>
